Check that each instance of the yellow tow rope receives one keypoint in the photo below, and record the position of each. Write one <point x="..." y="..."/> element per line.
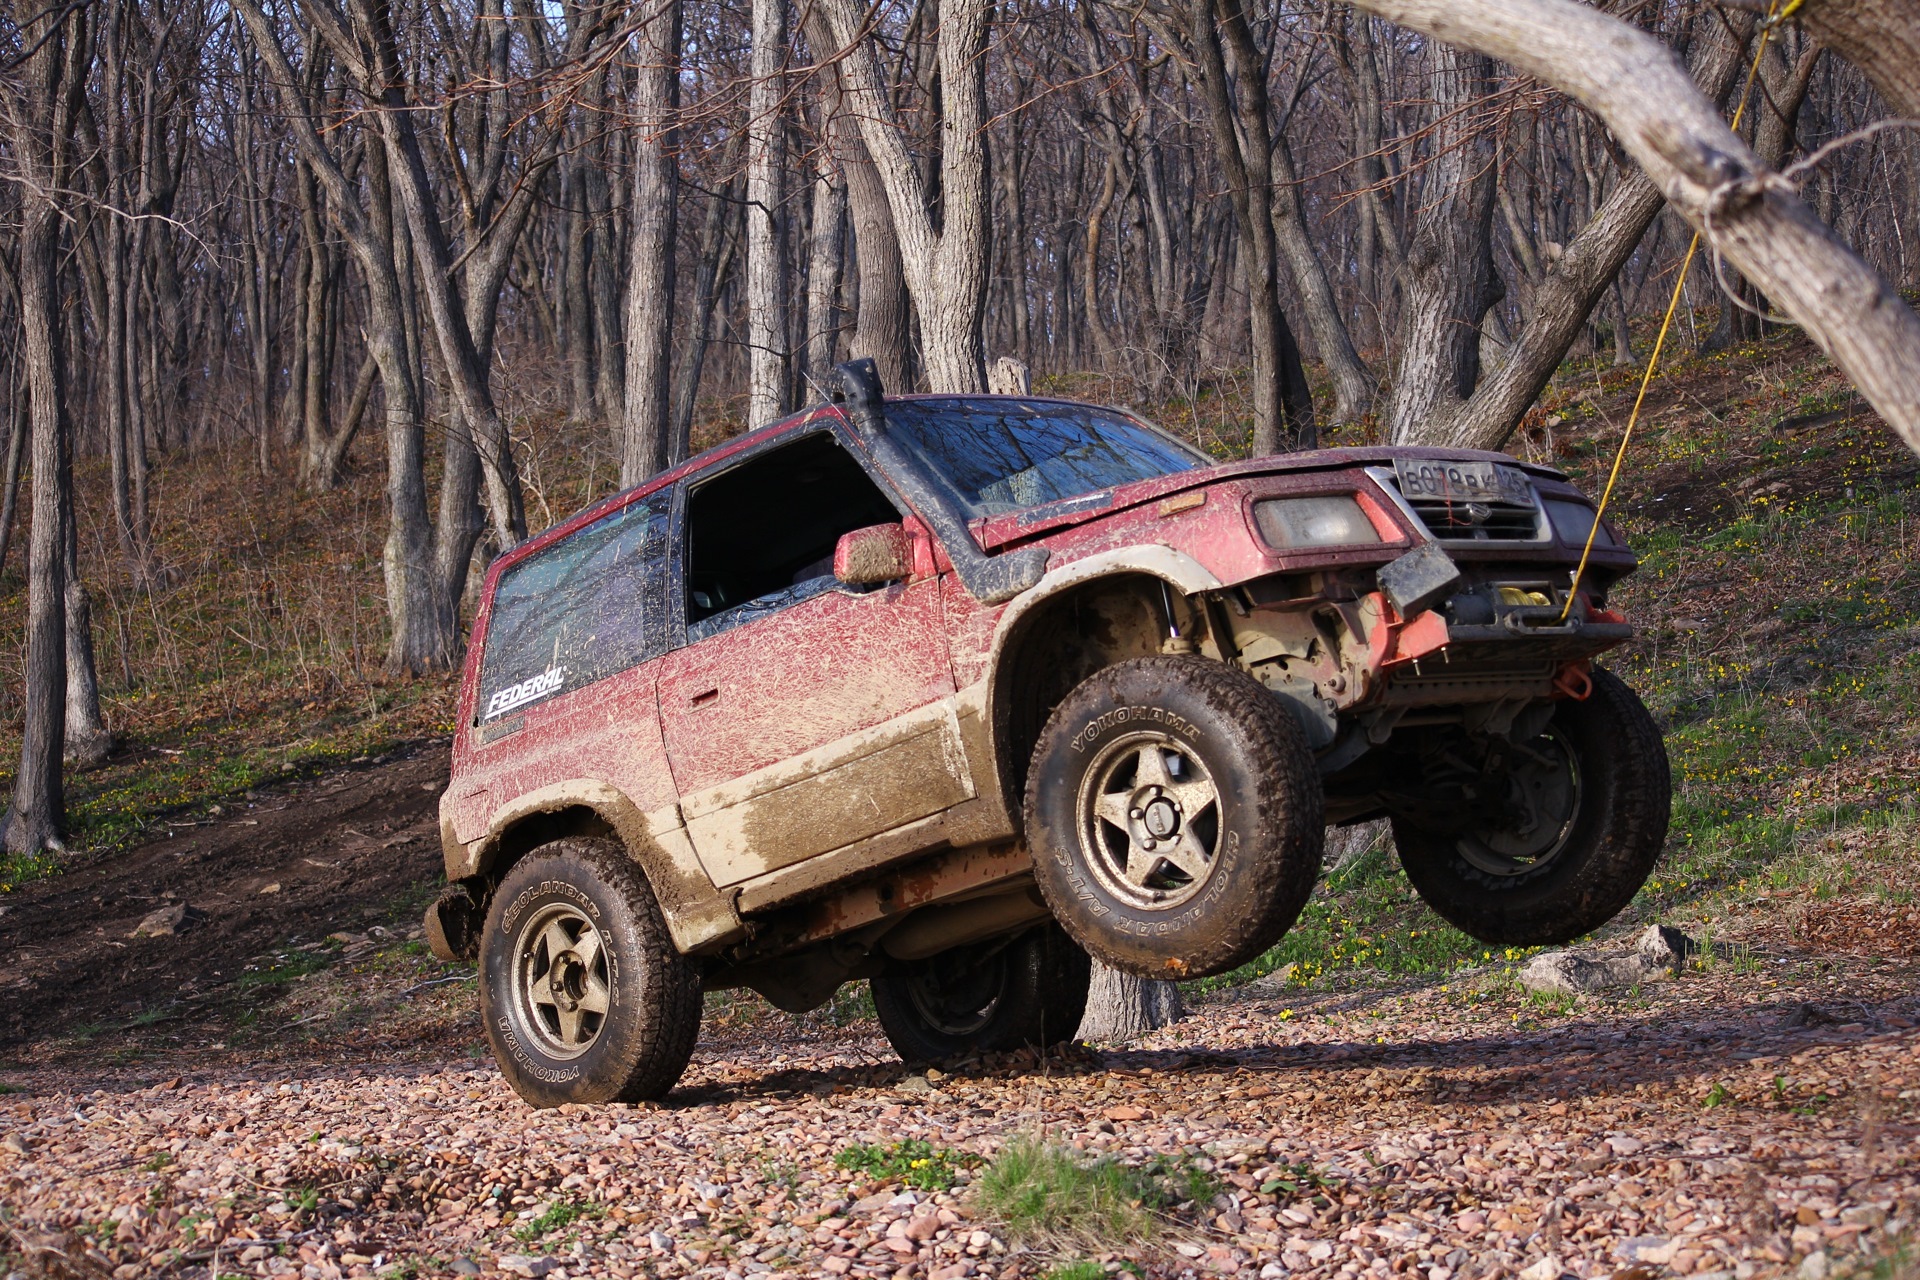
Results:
<point x="1776" y="14"/>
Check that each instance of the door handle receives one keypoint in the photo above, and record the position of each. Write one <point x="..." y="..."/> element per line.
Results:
<point x="704" y="697"/>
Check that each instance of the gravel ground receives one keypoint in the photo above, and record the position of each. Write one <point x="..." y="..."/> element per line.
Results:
<point x="1715" y="1123"/>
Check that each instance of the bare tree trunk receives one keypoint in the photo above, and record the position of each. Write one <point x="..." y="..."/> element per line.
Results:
<point x="576" y="312"/>
<point x="323" y="448"/>
<point x="1123" y="1007"/>
<point x="1450" y="281"/>
<point x="826" y="260"/>
<point x="1565" y="296"/>
<point x="882" y="326"/>
<point x="85" y="737"/>
<point x="1352" y="381"/>
<point x="424" y="636"/>
<point x="1242" y="144"/>
<point x="767" y="378"/>
<point x="646" y="440"/>
<point x="1878" y="36"/>
<point x="1007" y="164"/>
<point x="16" y="451"/>
<point x="41" y="125"/>
<point x="719" y="238"/>
<point x="1771" y="117"/>
<point x="946" y="266"/>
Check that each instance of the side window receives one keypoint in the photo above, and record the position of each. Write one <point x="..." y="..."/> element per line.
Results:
<point x="584" y="609"/>
<point x="761" y="535"/>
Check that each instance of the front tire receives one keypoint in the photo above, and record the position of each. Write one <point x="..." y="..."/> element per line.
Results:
<point x="1030" y="992"/>
<point x="1587" y="808"/>
<point x="584" y="997"/>
<point x="1174" y="812"/>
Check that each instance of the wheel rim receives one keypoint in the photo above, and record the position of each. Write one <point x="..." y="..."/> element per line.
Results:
<point x="1150" y="821"/>
<point x="1543" y="797"/>
<point x="560" y="988"/>
<point x="957" y="999"/>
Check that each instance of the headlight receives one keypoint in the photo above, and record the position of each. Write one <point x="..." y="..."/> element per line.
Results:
<point x="1573" y="521"/>
<point x="1332" y="520"/>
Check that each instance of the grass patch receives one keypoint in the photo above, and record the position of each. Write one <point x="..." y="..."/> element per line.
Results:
<point x="1045" y="1193"/>
<point x="914" y="1161"/>
<point x="1042" y="1192"/>
<point x="283" y="970"/>
<point x="17" y="869"/>
<point x="559" y="1214"/>
<point x="1365" y="918"/>
<point x="1081" y="1270"/>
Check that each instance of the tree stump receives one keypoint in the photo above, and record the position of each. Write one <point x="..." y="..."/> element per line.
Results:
<point x="1121" y="1006"/>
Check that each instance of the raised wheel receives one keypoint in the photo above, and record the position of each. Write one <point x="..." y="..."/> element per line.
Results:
<point x="1174" y="812"/>
<point x="1575" y="821"/>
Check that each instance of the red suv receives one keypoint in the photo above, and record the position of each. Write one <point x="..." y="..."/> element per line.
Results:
<point x="951" y="693"/>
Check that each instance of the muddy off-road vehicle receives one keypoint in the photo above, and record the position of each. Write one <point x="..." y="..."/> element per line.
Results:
<point x="951" y="693"/>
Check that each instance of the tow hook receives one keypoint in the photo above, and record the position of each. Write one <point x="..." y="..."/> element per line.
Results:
<point x="1574" y="680"/>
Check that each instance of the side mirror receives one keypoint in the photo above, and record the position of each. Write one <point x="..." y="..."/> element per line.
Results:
<point x="873" y="555"/>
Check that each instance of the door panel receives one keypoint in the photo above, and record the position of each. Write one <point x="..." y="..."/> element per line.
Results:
<point x="820" y="725"/>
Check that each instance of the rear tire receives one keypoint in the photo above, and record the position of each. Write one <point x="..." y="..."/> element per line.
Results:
<point x="1174" y="811"/>
<point x="584" y="997"/>
<point x="1029" y="992"/>
<point x="1596" y="791"/>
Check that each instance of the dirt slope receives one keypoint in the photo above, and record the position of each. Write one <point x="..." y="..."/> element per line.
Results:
<point x="340" y="848"/>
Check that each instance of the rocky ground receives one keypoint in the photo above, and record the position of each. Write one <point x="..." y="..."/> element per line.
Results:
<point x="1756" y="1115"/>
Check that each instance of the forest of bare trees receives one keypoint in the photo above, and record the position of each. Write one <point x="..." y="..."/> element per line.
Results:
<point x="292" y="224"/>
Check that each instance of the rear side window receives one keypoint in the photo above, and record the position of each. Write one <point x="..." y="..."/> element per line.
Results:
<point x="584" y="609"/>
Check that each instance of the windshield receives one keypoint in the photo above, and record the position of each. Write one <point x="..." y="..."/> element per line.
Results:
<point x="1005" y="455"/>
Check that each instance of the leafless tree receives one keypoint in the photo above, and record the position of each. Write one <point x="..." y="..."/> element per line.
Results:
<point x="52" y="52"/>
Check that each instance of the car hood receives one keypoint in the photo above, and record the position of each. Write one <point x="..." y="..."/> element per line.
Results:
<point x="1020" y="526"/>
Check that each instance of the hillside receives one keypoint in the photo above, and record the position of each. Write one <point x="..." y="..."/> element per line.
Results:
<point x="290" y="1084"/>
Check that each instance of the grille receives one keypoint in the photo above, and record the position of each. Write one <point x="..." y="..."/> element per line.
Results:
<point x="1453" y="520"/>
<point x="1498" y="521"/>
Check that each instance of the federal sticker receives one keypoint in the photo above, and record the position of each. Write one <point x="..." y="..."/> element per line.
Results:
<point x="518" y="695"/>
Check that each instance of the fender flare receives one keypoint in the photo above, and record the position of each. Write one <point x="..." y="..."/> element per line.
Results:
<point x="698" y="916"/>
<point x="1176" y="569"/>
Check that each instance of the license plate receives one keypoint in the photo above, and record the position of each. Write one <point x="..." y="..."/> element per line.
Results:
<point x="1463" y="481"/>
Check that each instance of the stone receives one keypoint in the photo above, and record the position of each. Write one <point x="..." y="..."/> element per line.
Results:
<point x="16" y="1143"/>
<point x="168" y="921"/>
<point x="1660" y="951"/>
<point x="1666" y="946"/>
<point x="1546" y="1268"/>
<point x="1656" y="1251"/>
<point x="1570" y="974"/>
<point x="1814" y="1266"/>
<point x="521" y="1264"/>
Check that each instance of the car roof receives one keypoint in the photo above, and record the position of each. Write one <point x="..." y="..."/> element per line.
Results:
<point x="707" y="458"/>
